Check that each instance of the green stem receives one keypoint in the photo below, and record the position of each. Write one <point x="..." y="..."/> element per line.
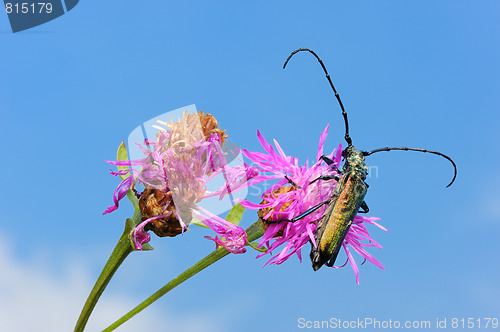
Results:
<point x="254" y="232"/>
<point x="122" y="249"/>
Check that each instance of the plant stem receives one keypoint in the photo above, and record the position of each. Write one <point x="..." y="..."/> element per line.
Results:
<point x="254" y="232"/>
<point x="122" y="249"/>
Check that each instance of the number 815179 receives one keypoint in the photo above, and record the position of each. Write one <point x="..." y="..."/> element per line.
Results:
<point x="28" y="8"/>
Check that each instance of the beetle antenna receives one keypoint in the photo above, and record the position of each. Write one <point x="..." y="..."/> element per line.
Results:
<point x="344" y="113"/>
<point x="365" y="153"/>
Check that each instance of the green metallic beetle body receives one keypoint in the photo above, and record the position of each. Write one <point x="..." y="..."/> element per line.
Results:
<point x="347" y="198"/>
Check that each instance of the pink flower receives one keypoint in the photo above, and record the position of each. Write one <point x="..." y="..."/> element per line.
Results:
<point x="296" y="193"/>
<point x="175" y="172"/>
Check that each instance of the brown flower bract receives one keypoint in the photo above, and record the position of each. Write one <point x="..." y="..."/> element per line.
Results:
<point x="264" y="211"/>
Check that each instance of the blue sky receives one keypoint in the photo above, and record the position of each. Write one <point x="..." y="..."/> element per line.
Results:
<point x="409" y="73"/>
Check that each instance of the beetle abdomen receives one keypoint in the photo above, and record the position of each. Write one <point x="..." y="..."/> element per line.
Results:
<point x="337" y="220"/>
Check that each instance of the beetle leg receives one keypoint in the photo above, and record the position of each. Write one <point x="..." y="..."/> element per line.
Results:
<point x="330" y="162"/>
<point x="331" y="261"/>
<point x="364" y="207"/>
<point x="291" y="182"/>
<point x="326" y="178"/>
<point x="300" y="216"/>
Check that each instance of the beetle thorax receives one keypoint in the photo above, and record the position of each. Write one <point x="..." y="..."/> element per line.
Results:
<point x="355" y="161"/>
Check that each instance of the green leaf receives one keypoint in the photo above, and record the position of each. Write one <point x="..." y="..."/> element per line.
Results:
<point x="147" y="247"/>
<point x="130" y="225"/>
<point x="197" y="222"/>
<point x="135" y="201"/>
<point x="122" y="155"/>
<point x="254" y="246"/>
<point x="234" y="216"/>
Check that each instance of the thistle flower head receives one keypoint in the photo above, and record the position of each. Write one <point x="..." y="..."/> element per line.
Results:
<point x="174" y="172"/>
<point x="295" y="193"/>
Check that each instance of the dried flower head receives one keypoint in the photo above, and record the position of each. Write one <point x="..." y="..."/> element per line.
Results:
<point x="174" y="172"/>
<point x="155" y="202"/>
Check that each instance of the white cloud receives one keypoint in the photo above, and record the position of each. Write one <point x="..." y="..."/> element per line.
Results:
<point x="491" y="205"/>
<point x="35" y="298"/>
<point x="489" y="202"/>
<point x="486" y="292"/>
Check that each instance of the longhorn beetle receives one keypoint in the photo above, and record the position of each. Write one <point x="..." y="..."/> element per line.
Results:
<point x="349" y="193"/>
